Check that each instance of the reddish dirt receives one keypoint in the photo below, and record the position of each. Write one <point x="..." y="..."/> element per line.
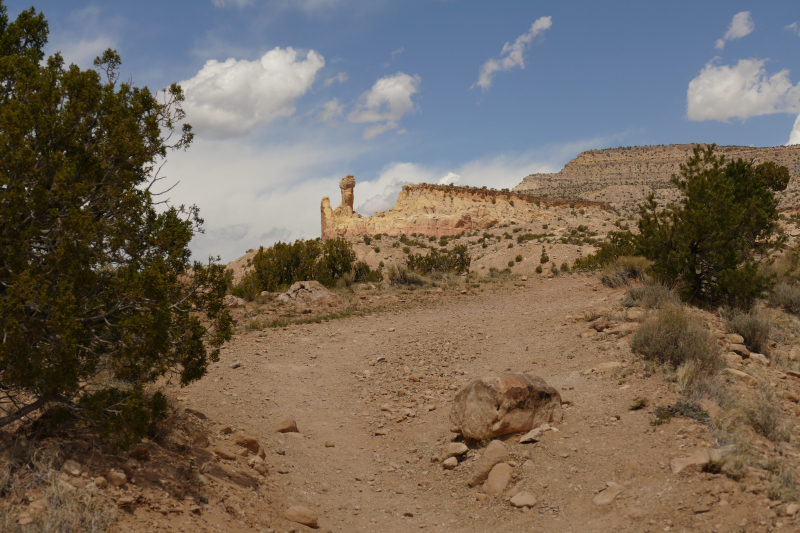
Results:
<point x="335" y="378"/>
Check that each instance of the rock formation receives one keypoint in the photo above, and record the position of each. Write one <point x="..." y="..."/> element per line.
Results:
<point x="634" y="172"/>
<point x="439" y="210"/>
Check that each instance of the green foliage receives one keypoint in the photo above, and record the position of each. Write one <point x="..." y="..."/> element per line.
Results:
<point x="364" y="274"/>
<point x="511" y="263"/>
<point x="456" y="260"/>
<point x="711" y="240"/>
<point x="282" y="264"/>
<point x="367" y="240"/>
<point x="401" y="275"/>
<point x="518" y="259"/>
<point x="538" y="269"/>
<point x="249" y="288"/>
<point x="95" y="278"/>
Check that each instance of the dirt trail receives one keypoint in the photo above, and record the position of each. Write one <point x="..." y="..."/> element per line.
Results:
<point x="346" y="382"/>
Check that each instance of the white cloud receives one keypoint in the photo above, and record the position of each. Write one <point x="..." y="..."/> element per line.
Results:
<point x="451" y="178"/>
<point x="253" y="193"/>
<point x="331" y="112"/>
<point x="339" y="78"/>
<point x="397" y="52"/>
<point x="794" y="136"/>
<point x="793" y="27"/>
<point x="237" y="3"/>
<point x="721" y="92"/>
<point x="384" y="104"/>
<point x="229" y="99"/>
<point x="741" y="25"/>
<point x="512" y="55"/>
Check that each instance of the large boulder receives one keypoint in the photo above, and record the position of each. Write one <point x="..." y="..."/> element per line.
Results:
<point x="508" y="403"/>
<point x="308" y="292"/>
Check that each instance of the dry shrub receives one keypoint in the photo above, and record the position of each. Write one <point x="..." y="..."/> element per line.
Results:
<point x="66" y="508"/>
<point x="786" y="295"/>
<point x="650" y="297"/>
<point x="400" y="275"/>
<point x="766" y="420"/>
<point x="624" y="269"/>
<point x="753" y="327"/>
<point x="672" y="340"/>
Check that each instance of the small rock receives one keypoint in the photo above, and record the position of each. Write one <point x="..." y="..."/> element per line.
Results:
<point x="224" y="453"/>
<point x="600" y="324"/>
<point x="71" y="468"/>
<point x="450" y="463"/>
<point x="100" y="482"/>
<point x="141" y="453"/>
<point x="533" y="435"/>
<point x="710" y="407"/>
<point x="391" y="330"/>
<point x="498" y="479"/>
<point x="524" y="278"/>
<point x="734" y="338"/>
<point x="609" y="494"/>
<point x="381" y="432"/>
<point x="733" y="358"/>
<point x="588" y="333"/>
<point x="794" y="354"/>
<point x="791" y="509"/>
<point x="329" y="444"/>
<point x="236" y="364"/>
<point x="196" y="413"/>
<point x="495" y="452"/>
<point x="523" y="499"/>
<point x="792" y="396"/>
<point x="116" y="479"/>
<point x="413" y="378"/>
<point x="246" y="441"/>
<point x="745" y="378"/>
<point x="760" y="359"/>
<point x="287" y="425"/>
<point x="280" y="451"/>
<point x="226" y="430"/>
<point x="453" y="449"/>
<point x="740" y="349"/>
<point x="301" y="515"/>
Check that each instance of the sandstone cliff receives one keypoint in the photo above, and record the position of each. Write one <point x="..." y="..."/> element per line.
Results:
<point x="439" y="210"/>
<point x="620" y="175"/>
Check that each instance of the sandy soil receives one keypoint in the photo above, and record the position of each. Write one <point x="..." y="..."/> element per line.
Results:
<point x="371" y="396"/>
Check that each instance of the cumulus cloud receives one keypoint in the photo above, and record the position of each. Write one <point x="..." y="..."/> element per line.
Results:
<point x="793" y="27"/>
<point x="741" y="25"/>
<point x="228" y="99"/>
<point x="512" y="55"/>
<point x="385" y="103"/>
<point x="794" y="137"/>
<point x="331" y="112"/>
<point x="451" y="178"/>
<point x="339" y="78"/>
<point x="722" y="92"/>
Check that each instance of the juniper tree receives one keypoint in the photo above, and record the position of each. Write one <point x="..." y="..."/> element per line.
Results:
<point x="98" y="296"/>
<point x="713" y="239"/>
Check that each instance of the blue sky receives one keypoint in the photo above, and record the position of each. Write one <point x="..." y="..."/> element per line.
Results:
<point x="286" y="97"/>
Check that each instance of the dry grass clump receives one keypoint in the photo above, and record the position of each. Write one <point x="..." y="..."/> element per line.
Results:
<point x="753" y="326"/>
<point x="786" y="295"/>
<point x="623" y="270"/>
<point x="766" y="420"/>
<point x="674" y="341"/>
<point x="63" y="508"/>
<point x="401" y="275"/>
<point x="650" y="297"/>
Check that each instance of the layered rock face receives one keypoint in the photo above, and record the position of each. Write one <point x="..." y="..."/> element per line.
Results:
<point x="440" y="210"/>
<point x="642" y="167"/>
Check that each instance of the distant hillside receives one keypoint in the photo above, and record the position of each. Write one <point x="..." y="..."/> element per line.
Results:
<point x="624" y="176"/>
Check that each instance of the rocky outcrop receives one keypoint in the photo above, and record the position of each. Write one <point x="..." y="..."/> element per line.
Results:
<point x="440" y="210"/>
<point x="308" y="292"/>
<point x="648" y="168"/>
<point x="499" y="405"/>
